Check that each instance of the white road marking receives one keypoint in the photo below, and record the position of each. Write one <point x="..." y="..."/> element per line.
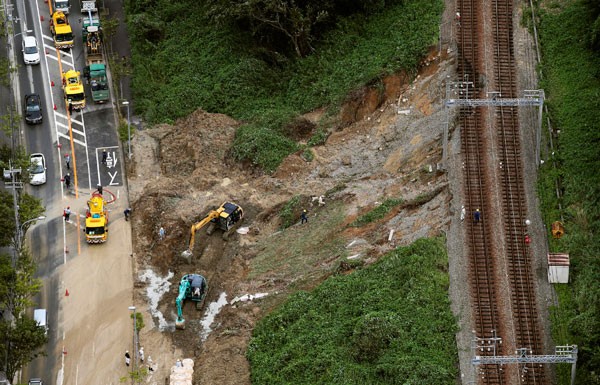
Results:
<point x="66" y="126"/>
<point x="61" y="135"/>
<point x="112" y="178"/>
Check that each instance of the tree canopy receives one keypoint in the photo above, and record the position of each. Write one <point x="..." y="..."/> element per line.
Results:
<point x="281" y="25"/>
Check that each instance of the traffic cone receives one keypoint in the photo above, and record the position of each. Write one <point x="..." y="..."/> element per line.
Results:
<point x="51" y="82"/>
<point x="67" y="293"/>
<point x="64" y="351"/>
<point x="55" y="107"/>
<point x="42" y="18"/>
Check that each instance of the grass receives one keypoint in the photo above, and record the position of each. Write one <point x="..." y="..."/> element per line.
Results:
<point x="389" y="323"/>
<point x="572" y="85"/>
<point x="288" y="213"/>
<point x="220" y="72"/>
<point x="377" y="213"/>
<point x="294" y="254"/>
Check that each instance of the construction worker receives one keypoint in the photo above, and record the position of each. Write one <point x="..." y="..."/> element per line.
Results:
<point x="477" y="216"/>
<point x="104" y="156"/>
<point x="127" y="213"/>
<point x="67" y="213"/>
<point x="68" y="161"/>
<point x="303" y="216"/>
<point x="67" y="179"/>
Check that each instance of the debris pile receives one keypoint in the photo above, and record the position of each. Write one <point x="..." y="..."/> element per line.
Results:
<point x="182" y="372"/>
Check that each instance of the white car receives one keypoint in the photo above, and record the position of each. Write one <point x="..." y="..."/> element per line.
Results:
<point x="31" y="52"/>
<point x="37" y="171"/>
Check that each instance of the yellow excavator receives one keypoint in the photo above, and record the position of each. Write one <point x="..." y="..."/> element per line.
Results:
<point x="227" y="217"/>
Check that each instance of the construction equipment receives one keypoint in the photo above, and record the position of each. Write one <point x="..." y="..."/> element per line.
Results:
<point x="89" y="10"/>
<point x="194" y="287"/>
<point x="73" y="89"/>
<point x="61" y="30"/>
<point x="96" y="219"/>
<point x="227" y="217"/>
<point x="95" y="69"/>
<point x="62" y="5"/>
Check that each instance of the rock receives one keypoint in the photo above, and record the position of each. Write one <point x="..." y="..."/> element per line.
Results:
<point x="346" y="160"/>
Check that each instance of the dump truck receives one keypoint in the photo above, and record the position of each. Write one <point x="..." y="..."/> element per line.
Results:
<point x="96" y="219"/>
<point x="61" y="30"/>
<point x="95" y="69"/>
<point x="73" y="90"/>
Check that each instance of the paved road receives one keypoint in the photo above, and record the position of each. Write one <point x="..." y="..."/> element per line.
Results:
<point x="59" y="247"/>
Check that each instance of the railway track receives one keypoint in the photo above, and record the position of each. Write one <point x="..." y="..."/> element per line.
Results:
<point x="484" y="259"/>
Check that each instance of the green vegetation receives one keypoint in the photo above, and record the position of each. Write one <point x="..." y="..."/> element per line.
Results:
<point x="298" y="255"/>
<point x="139" y="321"/>
<point x="377" y="213"/>
<point x="571" y="78"/>
<point x="389" y="323"/>
<point x="289" y="213"/>
<point x="22" y="339"/>
<point x="183" y="61"/>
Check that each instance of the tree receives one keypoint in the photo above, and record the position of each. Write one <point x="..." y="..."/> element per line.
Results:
<point x="23" y="285"/>
<point x="7" y="218"/>
<point x="22" y="342"/>
<point x="6" y="276"/>
<point x="29" y="207"/>
<point x="271" y="20"/>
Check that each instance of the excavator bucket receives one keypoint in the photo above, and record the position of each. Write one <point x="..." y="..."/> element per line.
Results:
<point x="180" y="324"/>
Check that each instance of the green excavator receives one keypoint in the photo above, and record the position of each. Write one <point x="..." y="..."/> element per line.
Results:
<point x="194" y="287"/>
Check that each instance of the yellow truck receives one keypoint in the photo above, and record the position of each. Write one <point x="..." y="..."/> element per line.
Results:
<point x="61" y="30"/>
<point x="73" y="90"/>
<point x="96" y="220"/>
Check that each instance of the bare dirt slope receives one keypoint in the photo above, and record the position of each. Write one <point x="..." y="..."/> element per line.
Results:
<point x="385" y="144"/>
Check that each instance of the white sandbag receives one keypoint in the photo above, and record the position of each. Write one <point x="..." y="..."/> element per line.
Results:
<point x="188" y="363"/>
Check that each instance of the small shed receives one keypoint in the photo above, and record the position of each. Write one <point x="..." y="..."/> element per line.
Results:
<point x="558" y="268"/>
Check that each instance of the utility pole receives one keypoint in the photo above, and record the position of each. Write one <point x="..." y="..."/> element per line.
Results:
<point x="135" y="343"/>
<point x="11" y="174"/>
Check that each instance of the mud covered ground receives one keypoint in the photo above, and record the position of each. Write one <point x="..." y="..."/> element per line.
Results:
<point x="384" y="144"/>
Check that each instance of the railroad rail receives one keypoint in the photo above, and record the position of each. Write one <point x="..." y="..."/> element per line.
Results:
<point x="483" y="259"/>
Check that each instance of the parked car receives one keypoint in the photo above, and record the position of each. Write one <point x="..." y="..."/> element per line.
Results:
<point x="33" y="109"/>
<point x="31" y="51"/>
<point x="37" y="171"/>
<point x="36" y="381"/>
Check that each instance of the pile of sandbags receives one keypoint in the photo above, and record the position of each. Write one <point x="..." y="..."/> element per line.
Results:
<point x="182" y="372"/>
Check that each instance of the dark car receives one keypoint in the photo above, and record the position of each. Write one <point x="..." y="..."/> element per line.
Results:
<point x="33" y="109"/>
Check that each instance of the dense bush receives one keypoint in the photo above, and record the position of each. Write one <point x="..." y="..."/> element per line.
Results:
<point x="389" y="323"/>
<point x="571" y="73"/>
<point x="183" y="61"/>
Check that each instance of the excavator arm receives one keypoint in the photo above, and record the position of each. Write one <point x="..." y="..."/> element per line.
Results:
<point x="197" y="226"/>
<point x="183" y="287"/>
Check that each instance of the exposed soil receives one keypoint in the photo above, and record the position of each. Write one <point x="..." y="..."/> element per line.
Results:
<point x="385" y="144"/>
